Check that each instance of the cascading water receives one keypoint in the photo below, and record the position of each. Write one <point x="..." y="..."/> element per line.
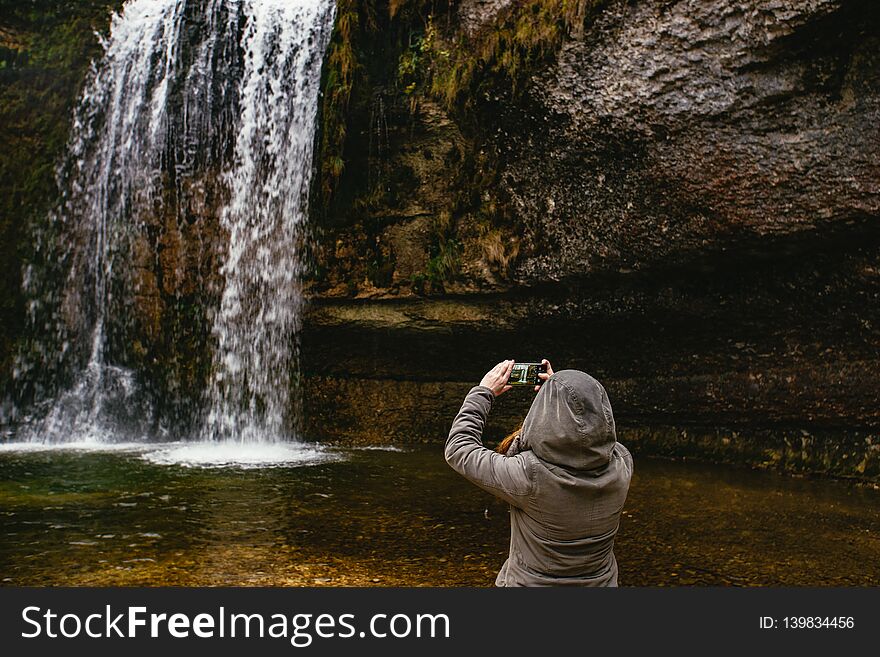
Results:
<point x="184" y="87"/>
<point x="259" y="318"/>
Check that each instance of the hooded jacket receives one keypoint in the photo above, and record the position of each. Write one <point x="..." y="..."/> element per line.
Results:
<point x="566" y="485"/>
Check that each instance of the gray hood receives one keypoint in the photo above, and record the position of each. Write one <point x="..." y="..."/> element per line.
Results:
<point x="570" y="423"/>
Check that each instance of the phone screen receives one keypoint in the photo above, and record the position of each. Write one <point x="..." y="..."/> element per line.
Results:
<point x="525" y="374"/>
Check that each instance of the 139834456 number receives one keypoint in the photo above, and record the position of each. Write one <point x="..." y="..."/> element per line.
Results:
<point x="818" y="622"/>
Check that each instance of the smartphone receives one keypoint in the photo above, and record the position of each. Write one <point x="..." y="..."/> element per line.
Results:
<point x="526" y="374"/>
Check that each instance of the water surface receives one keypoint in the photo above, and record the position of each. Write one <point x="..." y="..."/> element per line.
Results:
<point x="385" y="518"/>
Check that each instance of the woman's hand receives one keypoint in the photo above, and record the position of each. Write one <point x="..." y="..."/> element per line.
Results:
<point x="496" y="378"/>
<point x="546" y="374"/>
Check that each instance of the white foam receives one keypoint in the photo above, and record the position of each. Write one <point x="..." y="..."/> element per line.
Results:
<point x="77" y="446"/>
<point x="240" y="455"/>
<point x="198" y="454"/>
<point x="379" y="448"/>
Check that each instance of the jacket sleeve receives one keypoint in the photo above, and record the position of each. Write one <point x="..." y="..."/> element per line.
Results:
<point x="509" y="478"/>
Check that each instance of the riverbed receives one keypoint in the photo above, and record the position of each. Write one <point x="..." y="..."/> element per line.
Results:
<point x="166" y="515"/>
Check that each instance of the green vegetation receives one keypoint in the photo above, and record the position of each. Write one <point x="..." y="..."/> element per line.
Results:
<point x="444" y="263"/>
<point x="502" y="53"/>
<point x="340" y="67"/>
<point x="445" y="252"/>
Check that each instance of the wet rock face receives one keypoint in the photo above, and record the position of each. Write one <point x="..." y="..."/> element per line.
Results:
<point x="669" y="127"/>
<point x="474" y="14"/>
<point x="660" y="130"/>
<point x="697" y="192"/>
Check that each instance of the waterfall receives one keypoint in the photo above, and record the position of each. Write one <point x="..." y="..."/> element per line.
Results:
<point x="184" y="87"/>
<point x="259" y="318"/>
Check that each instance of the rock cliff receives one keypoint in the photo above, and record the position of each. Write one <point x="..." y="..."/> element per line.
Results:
<point x="681" y="197"/>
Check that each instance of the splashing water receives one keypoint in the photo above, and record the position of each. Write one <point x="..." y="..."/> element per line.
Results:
<point x="184" y="86"/>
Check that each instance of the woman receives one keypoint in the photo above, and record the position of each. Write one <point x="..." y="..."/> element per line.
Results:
<point x="566" y="477"/>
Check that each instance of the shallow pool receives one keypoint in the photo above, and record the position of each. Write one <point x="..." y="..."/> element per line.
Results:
<point x="141" y="515"/>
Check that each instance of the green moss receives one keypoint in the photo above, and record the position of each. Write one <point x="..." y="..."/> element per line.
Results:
<point x="504" y="52"/>
<point x="354" y="20"/>
<point x="445" y="257"/>
<point x="445" y="262"/>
